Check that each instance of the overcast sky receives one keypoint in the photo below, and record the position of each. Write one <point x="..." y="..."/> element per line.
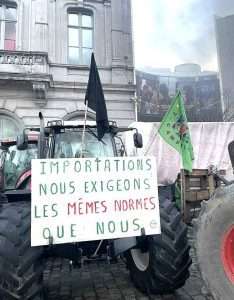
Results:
<point x="170" y="32"/>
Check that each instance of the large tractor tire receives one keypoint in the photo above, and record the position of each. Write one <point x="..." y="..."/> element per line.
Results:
<point x="21" y="267"/>
<point x="164" y="266"/>
<point x="214" y="243"/>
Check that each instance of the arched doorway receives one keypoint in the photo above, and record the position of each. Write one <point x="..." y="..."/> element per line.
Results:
<point x="79" y="115"/>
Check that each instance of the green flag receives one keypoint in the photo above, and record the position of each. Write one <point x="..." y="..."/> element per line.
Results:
<point x="174" y="130"/>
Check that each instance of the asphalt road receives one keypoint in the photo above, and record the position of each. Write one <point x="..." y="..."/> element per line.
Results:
<point x="102" y="281"/>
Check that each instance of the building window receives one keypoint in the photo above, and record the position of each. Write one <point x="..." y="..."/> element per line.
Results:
<point x="9" y="127"/>
<point x="7" y="26"/>
<point x="80" y="37"/>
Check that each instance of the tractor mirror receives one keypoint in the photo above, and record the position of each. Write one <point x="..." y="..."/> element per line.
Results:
<point x="137" y="138"/>
<point x="22" y="141"/>
<point x="231" y="152"/>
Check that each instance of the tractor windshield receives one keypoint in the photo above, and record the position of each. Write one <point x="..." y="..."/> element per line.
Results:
<point x="68" y="144"/>
<point x="16" y="162"/>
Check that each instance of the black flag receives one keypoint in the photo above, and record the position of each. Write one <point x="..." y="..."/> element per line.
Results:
<point x="96" y="101"/>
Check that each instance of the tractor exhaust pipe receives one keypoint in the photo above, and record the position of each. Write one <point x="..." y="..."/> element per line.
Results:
<point x="41" y="142"/>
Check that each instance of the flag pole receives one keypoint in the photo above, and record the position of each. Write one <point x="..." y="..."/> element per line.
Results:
<point x="135" y="99"/>
<point x="84" y="127"/>
<point x="151" y="141"/>
<point x="182" y="186"/>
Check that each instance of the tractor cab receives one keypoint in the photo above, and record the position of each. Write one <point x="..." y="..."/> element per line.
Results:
<point x="15" y="163"/>
<point x="70" y="139"/>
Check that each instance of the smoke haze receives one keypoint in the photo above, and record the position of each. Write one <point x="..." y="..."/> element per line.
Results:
<point x="170" y="32"/>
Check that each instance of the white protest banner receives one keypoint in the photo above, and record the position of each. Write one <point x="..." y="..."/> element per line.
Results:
<point x="82" y="199"/>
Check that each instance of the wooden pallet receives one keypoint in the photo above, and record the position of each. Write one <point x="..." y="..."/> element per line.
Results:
<point x="199" y="185"/>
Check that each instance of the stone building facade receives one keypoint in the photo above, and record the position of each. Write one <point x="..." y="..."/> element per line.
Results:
<point x="45" y="49"/>
<point x="225" y="50"/>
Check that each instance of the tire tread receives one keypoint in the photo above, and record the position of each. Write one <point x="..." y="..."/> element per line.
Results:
<point x="170" y="260"/>
<point x="24" y="265"/>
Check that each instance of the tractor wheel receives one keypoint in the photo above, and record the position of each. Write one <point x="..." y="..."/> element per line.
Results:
<point x="21" y="267"/>
<point x="214" y="243"/>
<point x="164" y="265"/>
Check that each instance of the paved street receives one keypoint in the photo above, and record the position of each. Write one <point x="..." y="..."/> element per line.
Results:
<point x="103" y="282"/>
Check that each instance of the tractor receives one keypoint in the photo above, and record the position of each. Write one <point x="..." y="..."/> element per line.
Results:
<point x="214" y="239"/>
<point x="157" y="263"/>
